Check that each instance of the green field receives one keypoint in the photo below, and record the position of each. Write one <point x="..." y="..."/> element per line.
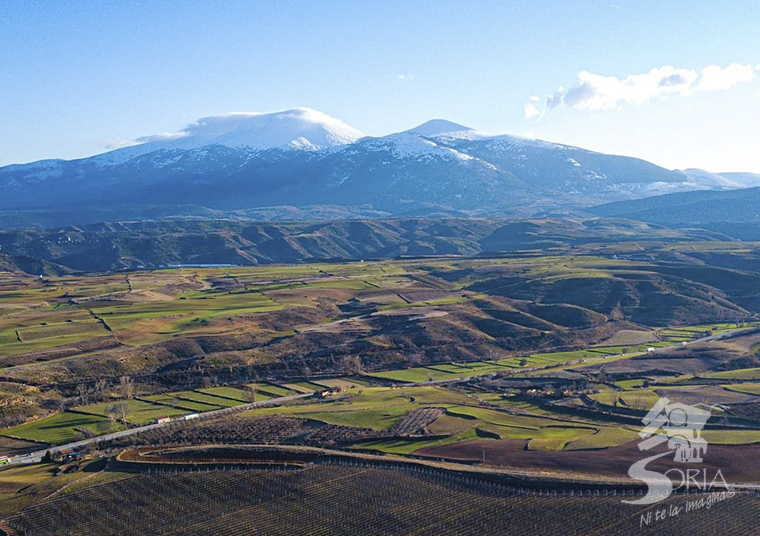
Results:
<point x="376" y="407"/>
<point x="59" y="428"/>
<point x="138" y="412"/>
<point x="273" y="391"/>
<point x="740" y="374"/>
<point x="301" y="388"/>
<point x="233" y="393"/>
<point x="169" y="399"/>
<point x="409" y="446"/>
<point x="381" y="408"/>
<point x="456" y="371"/>
<point x="731" y="437"/>
<point x="30" y="339"/>
<point x="606" y="437"/>
<point x="747" y="388"/>
<point x="314" y="327"/>
<point x="199" y="401"/>
<point x="206" y="398"/>
<point x="343" y="383"/>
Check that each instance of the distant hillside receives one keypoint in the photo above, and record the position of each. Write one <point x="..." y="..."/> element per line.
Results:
<point x="132" y="245"/>
<point x="735" y="212"/>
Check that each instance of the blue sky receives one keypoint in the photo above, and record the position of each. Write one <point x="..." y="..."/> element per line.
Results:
<point x="78" y="77"/>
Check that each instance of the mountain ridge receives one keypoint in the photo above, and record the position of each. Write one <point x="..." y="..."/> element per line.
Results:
<point x="303" y="158"/>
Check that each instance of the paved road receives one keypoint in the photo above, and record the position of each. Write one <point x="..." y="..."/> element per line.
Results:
<point x="35" y="457"/>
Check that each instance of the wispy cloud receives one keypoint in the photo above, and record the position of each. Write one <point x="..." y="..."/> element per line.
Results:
<point x="405" y="76"/>
<point x="165" y="136"/>
<point x="597" y="92"/>
<point x="118" y="143"/>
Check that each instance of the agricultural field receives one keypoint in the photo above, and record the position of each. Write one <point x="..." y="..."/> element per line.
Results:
<point x="171" y="401"/>
<point x="213" y="401"/>
<point x="232" y="393"/>
<point x="23" y="486"/>
<point x="136" y="412"/>
<point x="739" y="374"/>
<point x="355" y="500"/>
<point x="61" y="428"/>
<point x="748" y="388"/>
<point x="500" y="364"/>
<point x="462" y="418"/>
<point x="271" y="390"/>
<point x="455" y="371"/>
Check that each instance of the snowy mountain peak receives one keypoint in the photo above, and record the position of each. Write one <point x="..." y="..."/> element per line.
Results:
<point x="299" y="128"/>
<point x="446" y="130"/>
<point x="441" y="127"/>
<point x="701" y="179"/>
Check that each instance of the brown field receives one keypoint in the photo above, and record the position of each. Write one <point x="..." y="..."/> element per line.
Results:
<point x="11" y="447"/>
<point x="334" y="500"/>
<point x="737" y="462"/>
<point x="629" y="336"/>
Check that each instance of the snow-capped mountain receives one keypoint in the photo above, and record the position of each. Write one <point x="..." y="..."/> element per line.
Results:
<point x="300" y="128"/>
<point x="302" y="157"/>
<point x="704" y="180"/>
<point x="442" y="130"/>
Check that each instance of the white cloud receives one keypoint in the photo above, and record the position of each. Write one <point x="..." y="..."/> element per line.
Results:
<point x="405" y="76"/>
<point x="714" y="78"/>
<point x="531" y="111"/>
<point x="166" y="136"/>
<point x="118" y="143"/>
<point x="598" y="92"/>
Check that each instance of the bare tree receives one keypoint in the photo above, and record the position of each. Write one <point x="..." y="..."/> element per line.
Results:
<point x="99" y="389"/>
<point x="127" y="387"/>
<point x="112" y="414"/>
<point x="117" y="412"/>
<point x="351" y="364"/>
<point x="83" y="393"/>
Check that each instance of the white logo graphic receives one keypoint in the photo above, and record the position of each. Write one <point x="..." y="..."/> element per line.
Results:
<point x="680" y="426"/>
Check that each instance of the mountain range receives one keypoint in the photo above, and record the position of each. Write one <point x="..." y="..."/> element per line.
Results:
<point x="735" y="213"/>
<point x="304" y="164"/>
<point x="152" y="244"/>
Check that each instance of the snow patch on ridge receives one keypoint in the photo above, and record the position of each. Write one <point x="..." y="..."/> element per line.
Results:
<point x="410" y="145"/>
